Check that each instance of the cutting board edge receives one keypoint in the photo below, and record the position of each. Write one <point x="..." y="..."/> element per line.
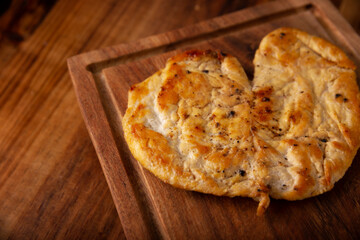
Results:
<point x="112" y="54"/>
<point x="86" y="60"/>
<point x="267" y="10"/>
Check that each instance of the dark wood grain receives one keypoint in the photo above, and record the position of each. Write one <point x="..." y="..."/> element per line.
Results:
<point x="102" y="79"/>
<point x="51" y="183"/>
<point x="18" y="21"/>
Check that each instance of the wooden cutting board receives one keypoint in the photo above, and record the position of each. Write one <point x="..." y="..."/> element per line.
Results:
<point x="149" y="208"/>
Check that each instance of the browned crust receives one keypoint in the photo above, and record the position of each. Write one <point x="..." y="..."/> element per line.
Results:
<point x="152" y="149"/>
<point x="313" y="171"/>
<point x="284" y="46"/>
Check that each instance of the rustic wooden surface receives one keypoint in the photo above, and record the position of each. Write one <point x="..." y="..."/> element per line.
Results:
<point x="151" y="208"/>
<point x="51" y="182"/>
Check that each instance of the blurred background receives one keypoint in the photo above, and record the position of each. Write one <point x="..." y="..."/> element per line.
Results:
<point x="20" y="18"/>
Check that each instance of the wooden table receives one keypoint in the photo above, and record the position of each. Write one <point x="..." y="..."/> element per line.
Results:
<point x="51" y="183"/>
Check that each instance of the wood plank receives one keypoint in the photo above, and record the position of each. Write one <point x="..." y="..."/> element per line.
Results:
<point x="46" y="156"/>
<point x="179" y="214"/>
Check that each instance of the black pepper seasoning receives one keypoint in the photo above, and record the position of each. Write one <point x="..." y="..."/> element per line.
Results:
<point x="231" y="114"/>
<point x="268" y="110"/>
